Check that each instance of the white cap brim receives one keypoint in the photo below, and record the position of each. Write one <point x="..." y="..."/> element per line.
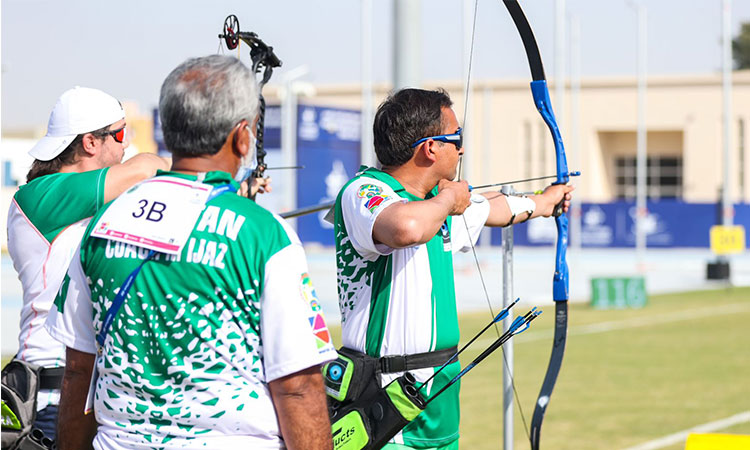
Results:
<point x="49" y="147"/>
<point x="78" y="110"/>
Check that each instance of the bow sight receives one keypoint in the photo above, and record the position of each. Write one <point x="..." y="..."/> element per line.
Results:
<point x="261" y="54"/>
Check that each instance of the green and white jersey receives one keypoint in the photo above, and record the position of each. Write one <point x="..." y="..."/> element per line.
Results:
<point x="189" y="355"/>
<point x="402" y="301"/>
<point x="46" y="221"/>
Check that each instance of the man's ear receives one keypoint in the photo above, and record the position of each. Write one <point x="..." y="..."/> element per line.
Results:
<point x="89" y="143"/>
<point x="427" y="150"/>
<point x="241" y="139"/>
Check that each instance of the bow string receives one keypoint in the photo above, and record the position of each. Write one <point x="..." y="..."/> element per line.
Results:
<point x="560" y="282"/>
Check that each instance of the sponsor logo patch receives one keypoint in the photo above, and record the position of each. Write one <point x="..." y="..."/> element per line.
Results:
<point x="317" y="321"/>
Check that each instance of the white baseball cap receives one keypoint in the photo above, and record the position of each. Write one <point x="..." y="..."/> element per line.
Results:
<point x="78" y="110"/>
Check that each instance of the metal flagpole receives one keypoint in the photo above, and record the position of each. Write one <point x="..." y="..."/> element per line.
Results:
<point x="367" y="156"/>
<point x="507" y="239"/>
<point x="726" y="198"/>
<point x="641" y="188"/>
<point x="559" y="62"/>
<point x="468" y="36"/>
<point x="575" y="117"/>
<point x="407" y="44"/>
<point x="289" y="133"/>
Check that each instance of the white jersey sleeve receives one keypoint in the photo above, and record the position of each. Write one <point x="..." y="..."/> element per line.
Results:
<point x="70" y="319"/>
<point x="361" y="203"/>
<point x="294" y="334"/>
<point x="472" y="219"/>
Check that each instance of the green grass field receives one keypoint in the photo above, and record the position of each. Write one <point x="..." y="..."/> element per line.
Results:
<point x="681" y="361"/>
<point x="628" y="376"/>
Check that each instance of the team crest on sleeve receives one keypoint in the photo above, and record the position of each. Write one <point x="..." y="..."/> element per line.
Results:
<point x="317" y="321"/>
<point x="369" y="191"/>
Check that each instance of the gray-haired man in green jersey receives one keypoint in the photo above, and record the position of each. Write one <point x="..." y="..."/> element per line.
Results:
<point x="206" y="329"/>
<point x="396" y="231"/>
<point x="76" y="170"/>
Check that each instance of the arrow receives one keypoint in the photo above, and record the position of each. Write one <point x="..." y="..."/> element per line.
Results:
<point x="285" y="167"/>
<point x="307" y="210"/>
<point x="519" y="325"/>
<point x="571" y="174"/>
<point x="500" y="316"/>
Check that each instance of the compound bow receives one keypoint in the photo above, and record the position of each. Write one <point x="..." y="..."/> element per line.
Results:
<point x="263" y="58"/>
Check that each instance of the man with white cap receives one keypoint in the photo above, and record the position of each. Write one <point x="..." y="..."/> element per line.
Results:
<point x="77" y="169"/>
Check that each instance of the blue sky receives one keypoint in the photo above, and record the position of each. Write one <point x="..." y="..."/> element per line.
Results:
<point x="127" y="48"/>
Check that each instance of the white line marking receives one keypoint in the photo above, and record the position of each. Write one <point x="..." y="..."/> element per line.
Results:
<point x="635" y="322"/>
<point x="682" y="436"/>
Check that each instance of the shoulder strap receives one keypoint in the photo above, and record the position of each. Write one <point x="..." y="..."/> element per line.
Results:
<point x="118" y="301"/>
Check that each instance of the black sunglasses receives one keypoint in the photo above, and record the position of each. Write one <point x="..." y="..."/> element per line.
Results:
<point x="118" y="135"/>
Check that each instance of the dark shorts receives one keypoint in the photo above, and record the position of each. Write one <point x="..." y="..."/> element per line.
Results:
<point x="46" y="420"/>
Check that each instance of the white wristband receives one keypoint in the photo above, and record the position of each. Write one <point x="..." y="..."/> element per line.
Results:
<point x="519" y="205"/>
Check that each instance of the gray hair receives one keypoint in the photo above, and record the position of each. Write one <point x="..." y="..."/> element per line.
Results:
<point x="202" y="100"/>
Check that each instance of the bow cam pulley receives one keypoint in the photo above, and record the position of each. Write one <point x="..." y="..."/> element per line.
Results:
<point x="261" y="54"/>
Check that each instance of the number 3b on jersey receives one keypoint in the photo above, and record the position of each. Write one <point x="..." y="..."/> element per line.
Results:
<point x="157" y="214"/>
<point x="153" y="212"/>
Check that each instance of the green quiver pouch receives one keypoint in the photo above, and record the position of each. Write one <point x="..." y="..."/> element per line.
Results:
<point x="350" y="432"/>
<point x="20" y="385"/>
<point x="370" y="421"/>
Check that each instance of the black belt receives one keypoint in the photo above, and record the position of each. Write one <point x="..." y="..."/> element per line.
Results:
<point x="51" y="378"/>
<point x="403" y="363"/>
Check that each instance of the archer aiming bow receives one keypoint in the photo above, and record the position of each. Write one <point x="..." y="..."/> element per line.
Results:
<point x="263" y="59"/>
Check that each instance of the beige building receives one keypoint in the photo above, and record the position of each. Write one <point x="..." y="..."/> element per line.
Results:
<point x="506" y="138"/>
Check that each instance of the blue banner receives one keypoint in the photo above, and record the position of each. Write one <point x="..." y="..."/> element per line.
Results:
<point x="271" y="140"/>
<point x="669" y="223"/>
<point x="161" y="148"/>
<point x="328" y="143"/>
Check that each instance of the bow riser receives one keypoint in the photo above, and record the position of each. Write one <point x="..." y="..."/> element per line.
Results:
<point x="560" y="280"/>
<point x="540" y="92"/>
<point x="260" y="151"/>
